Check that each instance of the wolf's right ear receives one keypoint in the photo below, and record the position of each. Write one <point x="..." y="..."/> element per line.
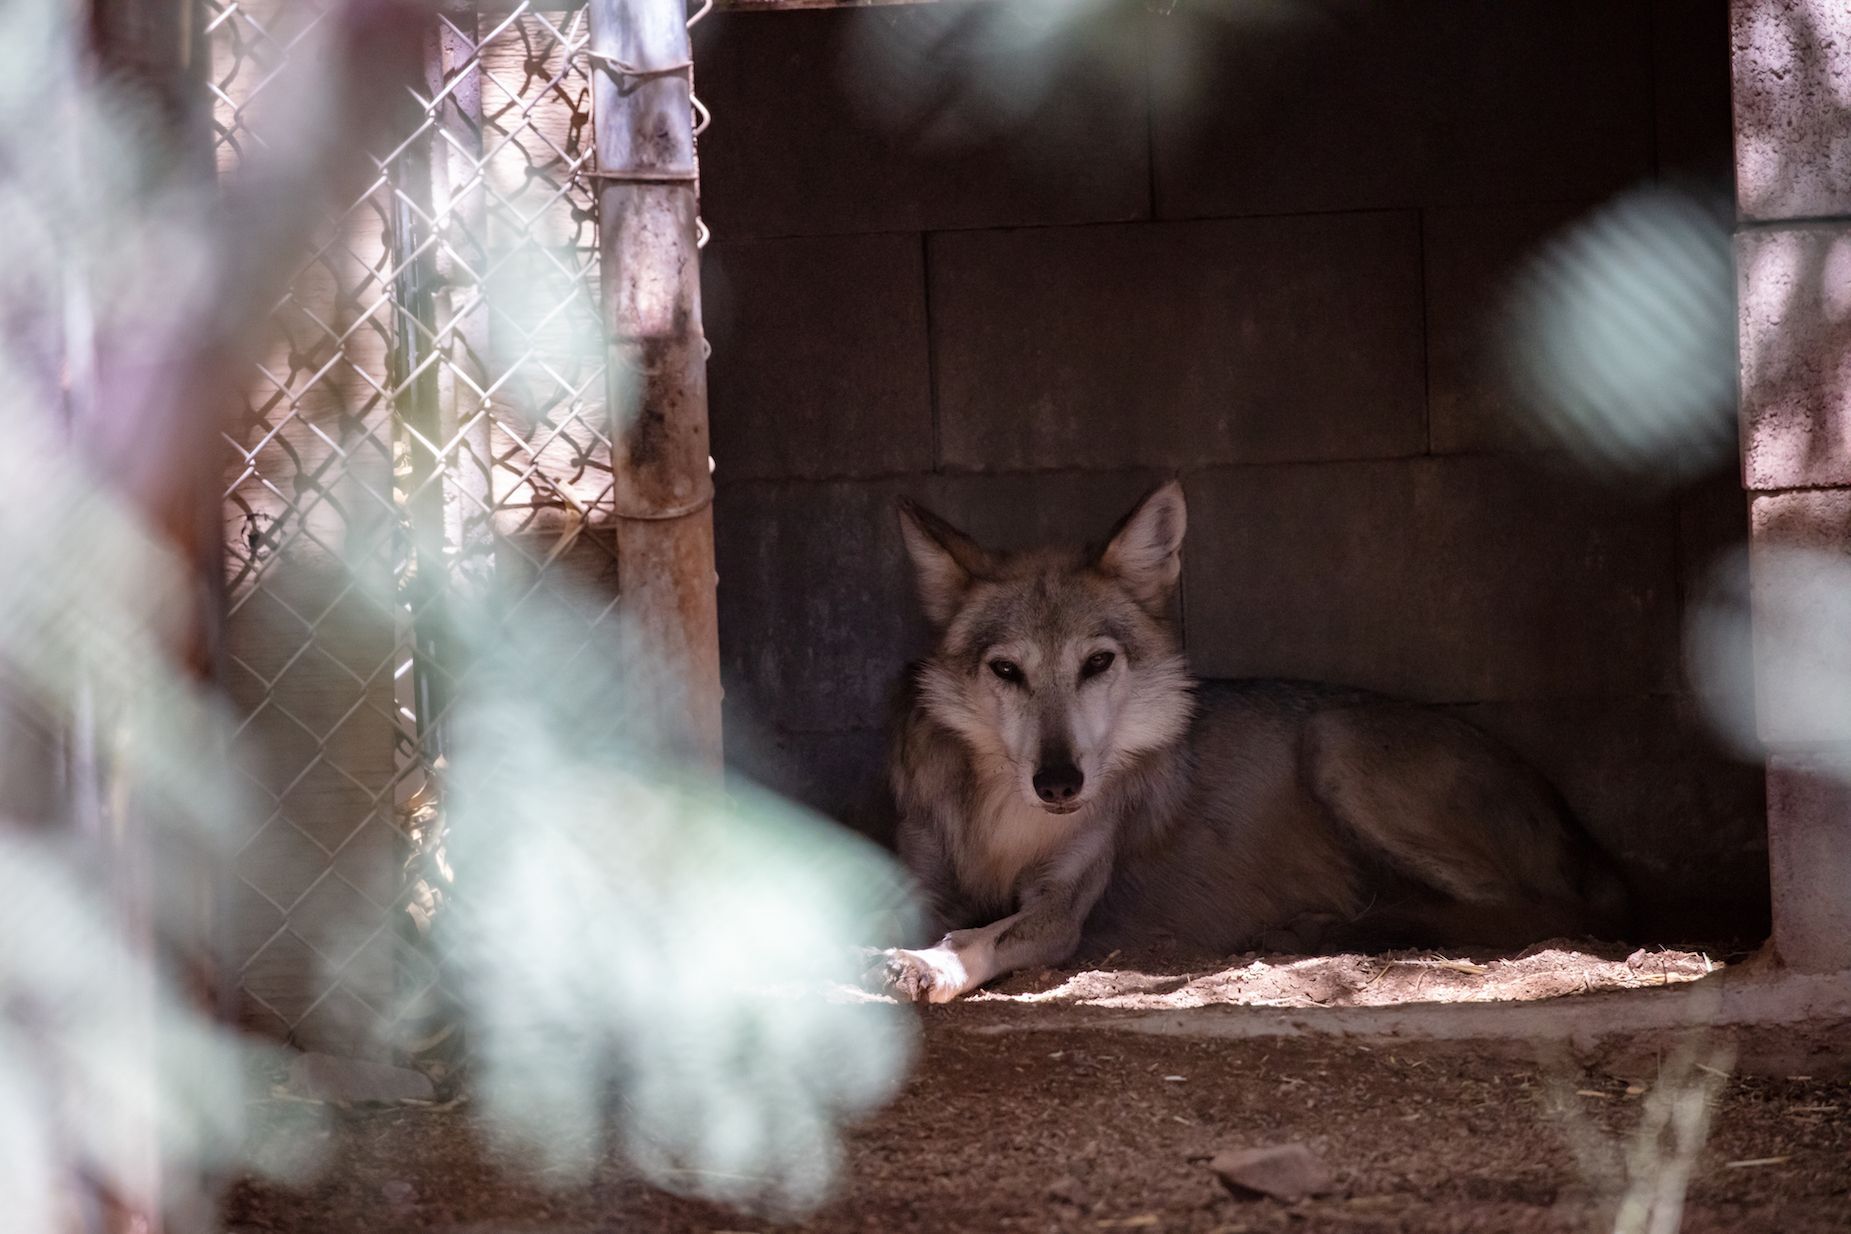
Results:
<point x="1145" y="551"/>
<point x="945" y="561"/>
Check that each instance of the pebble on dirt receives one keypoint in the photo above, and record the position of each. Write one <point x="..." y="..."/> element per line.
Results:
<point x="1285" y="1171"/>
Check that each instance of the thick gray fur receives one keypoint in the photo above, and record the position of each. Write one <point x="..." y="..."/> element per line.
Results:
<point x="1219" y="817"/>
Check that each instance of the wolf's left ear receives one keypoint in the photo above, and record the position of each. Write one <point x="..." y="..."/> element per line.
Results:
<point x="945" y="561"/>
<point x="1145" y="551"/>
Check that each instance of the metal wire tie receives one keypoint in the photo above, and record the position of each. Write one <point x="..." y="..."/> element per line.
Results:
<point x="669" y="515"/>
<point x="623" y="68"/>
<point x="641" y="177"/>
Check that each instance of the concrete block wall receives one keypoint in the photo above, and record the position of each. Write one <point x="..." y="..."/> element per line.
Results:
<point x="1792" y="60"/>
<point x="1260" y="254"/>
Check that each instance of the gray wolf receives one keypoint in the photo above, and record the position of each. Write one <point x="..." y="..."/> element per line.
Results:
<point x="1061" y="779"/>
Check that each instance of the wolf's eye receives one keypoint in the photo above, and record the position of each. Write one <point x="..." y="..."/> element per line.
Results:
<point x="1096" y="663"/>
<point x="1008" y="670"/>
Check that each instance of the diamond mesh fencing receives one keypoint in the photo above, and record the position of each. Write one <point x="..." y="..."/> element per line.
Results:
<point x="431" y="418"/>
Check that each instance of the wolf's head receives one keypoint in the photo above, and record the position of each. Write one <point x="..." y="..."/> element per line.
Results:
<point x="1058" y="667"/>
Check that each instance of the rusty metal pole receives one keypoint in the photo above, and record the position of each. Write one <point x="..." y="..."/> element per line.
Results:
<point x="657" y="386"/>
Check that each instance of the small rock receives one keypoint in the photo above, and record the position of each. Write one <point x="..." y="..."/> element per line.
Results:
<point x="355" y="1081"/>
<point x="1285" y="1171"/>
<point x="1067" y="1190"/>
<point x="398" y="1191"/>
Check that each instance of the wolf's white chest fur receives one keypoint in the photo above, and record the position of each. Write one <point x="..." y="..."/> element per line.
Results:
<point x="1005" y="836"/>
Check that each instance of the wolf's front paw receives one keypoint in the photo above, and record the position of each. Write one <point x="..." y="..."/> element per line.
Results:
<point x="934" y="975"/>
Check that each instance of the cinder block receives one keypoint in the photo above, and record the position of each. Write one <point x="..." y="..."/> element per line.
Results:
<point x="1462" y="579"/>
<point x="1270" y="109"/>
<point x="1686" y="821"/>
<point x="962" y="114"/>
<point x="841" y="776"/>
<point x="815" y="602"/>
<point x="1472" y="254"/>
<point x="1818" y="519"/>
<point x="1794" y="287"/>
<point x="1179" y="344"/>
<point x="1690" y="86"/>
<point x="1794" y="611"/>
<point x="819" y="365"/>
<point x="1792" y="130"/>
<point x="1809" y="854"/>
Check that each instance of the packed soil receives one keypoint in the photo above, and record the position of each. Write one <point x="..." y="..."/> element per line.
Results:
<point x="1023" y="1116"/>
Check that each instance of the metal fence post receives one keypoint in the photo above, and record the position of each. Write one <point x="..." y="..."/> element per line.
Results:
<point x="647" y="199"/>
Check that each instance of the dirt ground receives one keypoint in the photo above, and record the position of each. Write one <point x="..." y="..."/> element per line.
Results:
<point x="1041" y="1107"/>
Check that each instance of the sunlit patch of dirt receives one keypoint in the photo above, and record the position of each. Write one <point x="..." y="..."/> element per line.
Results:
<point x="1156" y="982"/>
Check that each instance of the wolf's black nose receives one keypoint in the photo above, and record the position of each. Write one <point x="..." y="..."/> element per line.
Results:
<point x="1058" y="784"/>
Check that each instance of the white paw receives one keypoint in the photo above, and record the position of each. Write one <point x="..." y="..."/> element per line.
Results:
<point x="934" y="975"/>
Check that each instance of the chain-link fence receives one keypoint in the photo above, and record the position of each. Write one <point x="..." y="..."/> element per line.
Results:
<point x="432" y="416"/>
